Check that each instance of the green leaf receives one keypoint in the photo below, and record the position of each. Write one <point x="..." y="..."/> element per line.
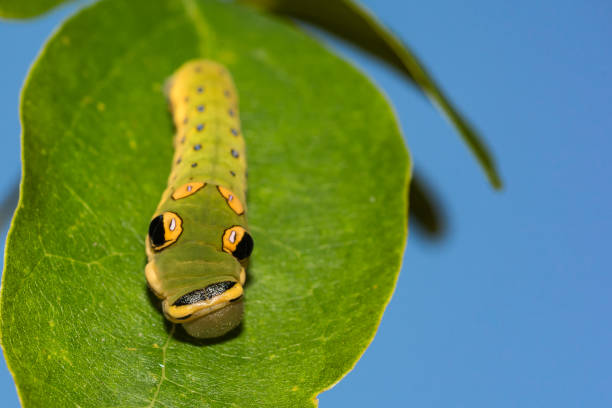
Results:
<point x="351" y="22"/>
<point x="26" y="8"/>
<point x="328" y="171"/>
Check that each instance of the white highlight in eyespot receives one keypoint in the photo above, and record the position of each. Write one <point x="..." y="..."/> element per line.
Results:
<point x="232" y="237"/>
<point x="172" y="224"/>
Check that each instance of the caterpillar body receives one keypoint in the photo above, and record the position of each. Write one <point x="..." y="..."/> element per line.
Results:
<point x="198" y="243"/>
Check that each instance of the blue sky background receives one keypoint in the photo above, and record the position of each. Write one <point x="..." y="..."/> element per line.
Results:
<point x="512" y="308"/>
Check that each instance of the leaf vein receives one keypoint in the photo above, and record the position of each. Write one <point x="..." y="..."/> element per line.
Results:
<point x="163" y="369"/>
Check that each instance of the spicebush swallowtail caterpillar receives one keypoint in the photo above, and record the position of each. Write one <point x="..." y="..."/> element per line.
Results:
<point x="198" y="243"/>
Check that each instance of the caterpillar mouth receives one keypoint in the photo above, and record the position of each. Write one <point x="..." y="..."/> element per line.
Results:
<point x="200" y="295"/>
<point x="201" y="302"/>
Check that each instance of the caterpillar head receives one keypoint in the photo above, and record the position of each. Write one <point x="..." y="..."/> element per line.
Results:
<point x="200" y="287"/>
<point x="204" y="313"/>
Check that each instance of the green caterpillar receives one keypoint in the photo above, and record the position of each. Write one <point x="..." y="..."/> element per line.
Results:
<point x="198" y="243"/>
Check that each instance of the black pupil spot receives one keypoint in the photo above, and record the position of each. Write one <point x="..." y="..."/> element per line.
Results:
<point x="157" y="234"/>
<point x="208" y="292"/>
<point x="244" y="247"/>
<point x="194" y="164"/>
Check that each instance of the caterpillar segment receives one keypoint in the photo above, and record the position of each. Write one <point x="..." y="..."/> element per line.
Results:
<point x="198" y="243"/>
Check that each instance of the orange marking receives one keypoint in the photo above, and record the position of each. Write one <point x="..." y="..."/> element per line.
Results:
<point x="187" y="189"/>
<point x="231" y="200"/>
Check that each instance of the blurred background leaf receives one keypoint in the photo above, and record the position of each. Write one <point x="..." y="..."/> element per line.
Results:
<point x="18" y="9"/>
<point x="8" y="203"/>
<point x="426" y="211"/>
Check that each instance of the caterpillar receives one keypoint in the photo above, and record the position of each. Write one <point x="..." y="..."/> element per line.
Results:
<point x="198" y="244"/>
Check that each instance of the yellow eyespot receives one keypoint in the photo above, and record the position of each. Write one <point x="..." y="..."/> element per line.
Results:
<point x="237" y="242"/>
<point x="164" y="230"/>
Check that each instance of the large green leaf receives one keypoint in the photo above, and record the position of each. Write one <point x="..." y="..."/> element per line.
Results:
<point x="328" y="172"/>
